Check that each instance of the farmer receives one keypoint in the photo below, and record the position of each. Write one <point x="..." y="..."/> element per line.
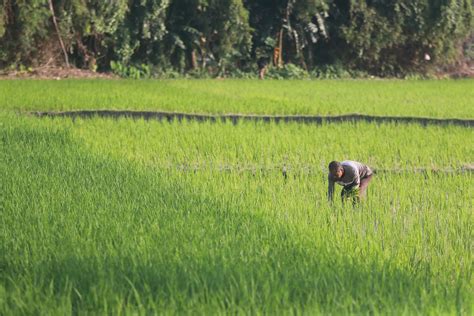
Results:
<point x="353" y="175"/>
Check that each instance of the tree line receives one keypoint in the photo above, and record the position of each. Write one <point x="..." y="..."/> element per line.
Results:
<point x="221" y="37"/>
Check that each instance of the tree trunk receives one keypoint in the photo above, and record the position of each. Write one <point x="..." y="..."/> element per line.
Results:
<point x="51" y="8"/>
<point x="280" y="46"/>
<point x="194" y="64"/>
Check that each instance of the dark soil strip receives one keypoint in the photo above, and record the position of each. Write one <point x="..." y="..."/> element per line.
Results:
<point x="310" y="171"/>
<point x="303" y="169"/>
<point x="296" y="173"/>
<point x="234" y="118"/>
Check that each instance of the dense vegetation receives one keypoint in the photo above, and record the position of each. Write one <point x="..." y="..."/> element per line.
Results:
<point x="439" y="99"/>
<point x="105" y="216"/>
<point x="226" y="37"/>
<point x="112" y="216"/>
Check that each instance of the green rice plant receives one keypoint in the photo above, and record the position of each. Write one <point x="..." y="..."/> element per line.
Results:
<point x="134" y="216"/>
<point x="350" y="195"/>
<point x="435" y="98"/>
<point x="301" y="149"/>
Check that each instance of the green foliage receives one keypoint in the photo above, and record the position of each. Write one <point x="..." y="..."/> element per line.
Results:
<point x="335" y="71"/>
<point x="428" y="98"/>
<point x="351" y="195"/>
<point x="288" y="71"/>
<point x="393" y="38"/>
<point x="25" y="29"/>
<point x="133" y="72"/>
<point x="139" y="37"/>
<point x="90" y="28"/>
<point x="217" y="37"/>
<point x="143" y="217"/>
<point x="126" y="216"/>
<point x="3" y="19"/>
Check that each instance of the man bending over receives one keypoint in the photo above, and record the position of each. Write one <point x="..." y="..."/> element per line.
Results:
<point x="353" y="175"/>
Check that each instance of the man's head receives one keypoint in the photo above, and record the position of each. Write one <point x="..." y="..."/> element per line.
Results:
<point x="336" y="169"/>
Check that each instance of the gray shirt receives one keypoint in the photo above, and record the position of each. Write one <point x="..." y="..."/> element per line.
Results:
<point x="353" y="172"/>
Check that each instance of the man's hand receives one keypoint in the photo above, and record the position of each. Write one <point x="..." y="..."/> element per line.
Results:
<point x="350" y="193"/>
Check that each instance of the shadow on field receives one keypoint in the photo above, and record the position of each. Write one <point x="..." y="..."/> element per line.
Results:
<point x="235" y="118"/>
<point x="101" y="234"/>
<point x="268" y="284"/>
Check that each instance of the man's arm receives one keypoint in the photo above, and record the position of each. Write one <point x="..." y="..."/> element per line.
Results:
<point x="330" y="188"/>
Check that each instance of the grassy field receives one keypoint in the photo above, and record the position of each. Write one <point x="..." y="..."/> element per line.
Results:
<point x="133" y="216"/>
<point x="440" y="99"/>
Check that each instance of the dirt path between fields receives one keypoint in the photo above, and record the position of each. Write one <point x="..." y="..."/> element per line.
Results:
<point x="235" y="118"/>
<point x="304" y="169"/>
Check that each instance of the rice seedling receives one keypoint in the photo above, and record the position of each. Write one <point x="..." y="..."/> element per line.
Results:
<point x="440" y="99"/>
<point x="133" y="216"/>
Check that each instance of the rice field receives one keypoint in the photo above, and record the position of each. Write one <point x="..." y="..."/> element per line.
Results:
<point x="438" y="98"/>
<point x="121" y="216"/>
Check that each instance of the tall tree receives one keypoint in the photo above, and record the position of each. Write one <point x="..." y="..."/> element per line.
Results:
<point x="206" y="33"/>
<point x="24" y="31"/>
<point x="392" y="37"/>
<point x="139" y="38"/>
<point x="385" y="37"/>
<point x="90" y="27"/>
<point x="288" y="28"/>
